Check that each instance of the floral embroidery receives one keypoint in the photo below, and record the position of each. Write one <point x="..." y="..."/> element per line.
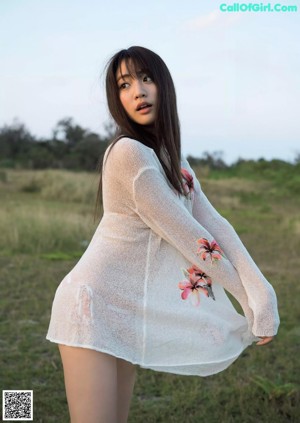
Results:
<point x="189" y="182"/>
<point x="197" y="281"/>
<point x="212" y="249"/>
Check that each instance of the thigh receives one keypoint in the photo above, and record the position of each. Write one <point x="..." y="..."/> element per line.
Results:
<point x="126" y="372"/>
<point x="91" y="384"/>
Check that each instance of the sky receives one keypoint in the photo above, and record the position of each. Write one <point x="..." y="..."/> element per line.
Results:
<point x="237" y="74"/>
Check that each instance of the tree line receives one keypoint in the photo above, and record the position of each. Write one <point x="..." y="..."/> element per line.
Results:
<point x="69" y="147"/>
<point x="73" y="147"/>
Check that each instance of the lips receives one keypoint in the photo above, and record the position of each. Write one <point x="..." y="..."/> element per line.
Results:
<point x="143" y="105"/>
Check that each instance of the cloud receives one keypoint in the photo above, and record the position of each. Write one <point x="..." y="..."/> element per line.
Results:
<point x="212" y="19"/>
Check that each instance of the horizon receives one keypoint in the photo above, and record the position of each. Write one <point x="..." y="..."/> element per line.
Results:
<point x="214" y="153"/>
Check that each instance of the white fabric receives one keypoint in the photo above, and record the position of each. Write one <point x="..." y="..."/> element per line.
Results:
<point x="122" y="297"/>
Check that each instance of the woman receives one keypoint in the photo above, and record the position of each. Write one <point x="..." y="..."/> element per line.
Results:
<point x="149" y="289"/>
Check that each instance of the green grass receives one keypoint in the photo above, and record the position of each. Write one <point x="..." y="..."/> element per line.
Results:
<point x="44" y="229"/>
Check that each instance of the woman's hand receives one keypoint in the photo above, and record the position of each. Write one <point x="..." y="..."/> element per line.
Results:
<point x="264" y="340"/>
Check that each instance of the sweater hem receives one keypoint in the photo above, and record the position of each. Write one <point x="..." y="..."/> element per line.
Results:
<point x="157" y="367"/>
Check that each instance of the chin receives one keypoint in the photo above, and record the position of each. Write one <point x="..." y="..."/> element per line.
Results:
<point x="147" y="125"/>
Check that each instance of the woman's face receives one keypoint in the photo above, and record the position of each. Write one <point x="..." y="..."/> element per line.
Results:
<point x="138" y="95"/>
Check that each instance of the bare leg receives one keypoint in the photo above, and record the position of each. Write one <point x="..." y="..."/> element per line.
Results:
<point x="126" y="373"/>
<point x="91" y="384"/>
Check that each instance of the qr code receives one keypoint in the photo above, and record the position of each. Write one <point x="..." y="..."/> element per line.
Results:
<point x="17" y="405"/>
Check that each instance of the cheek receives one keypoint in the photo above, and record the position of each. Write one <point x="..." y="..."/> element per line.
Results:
<point x="123" y="100"/>
<point x="125" y="104"/>
<point x="154" y="93"/>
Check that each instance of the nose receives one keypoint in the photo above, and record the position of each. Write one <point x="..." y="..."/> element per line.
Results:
<point x="140" y="90"/>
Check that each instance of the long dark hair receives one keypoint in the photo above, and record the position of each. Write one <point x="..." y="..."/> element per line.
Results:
<point x="165" y="132"/>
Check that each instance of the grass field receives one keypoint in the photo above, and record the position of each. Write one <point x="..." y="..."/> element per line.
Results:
<point x="46" y="221"/>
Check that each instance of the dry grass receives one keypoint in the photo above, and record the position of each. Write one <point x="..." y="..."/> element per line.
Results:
<point x="52" y="217"/>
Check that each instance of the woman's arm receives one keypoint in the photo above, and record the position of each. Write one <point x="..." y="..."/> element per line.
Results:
<point x="261" y="295"/>
<point x="162" y="210"/>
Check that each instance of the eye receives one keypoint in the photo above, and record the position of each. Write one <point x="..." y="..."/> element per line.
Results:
<point x="123" y="86"/>
<point x="146" y="78"/>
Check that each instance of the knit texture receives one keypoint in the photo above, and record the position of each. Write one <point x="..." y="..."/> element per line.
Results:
<point x="150" y="287"/>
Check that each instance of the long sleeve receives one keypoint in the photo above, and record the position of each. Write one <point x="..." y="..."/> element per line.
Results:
<point x="261" y="295"/>
<point x="160" y="208"/>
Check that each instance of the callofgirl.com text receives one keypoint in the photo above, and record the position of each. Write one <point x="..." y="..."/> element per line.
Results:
<point x="257" y="7"/>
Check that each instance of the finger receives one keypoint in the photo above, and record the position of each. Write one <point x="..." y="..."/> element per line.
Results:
<point x="265" y="340"/>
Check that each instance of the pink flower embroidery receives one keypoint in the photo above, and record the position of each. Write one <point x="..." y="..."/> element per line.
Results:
<point x="197" y="281"/>
<point x="212" y="249"/>
<point x="189" y="182"/>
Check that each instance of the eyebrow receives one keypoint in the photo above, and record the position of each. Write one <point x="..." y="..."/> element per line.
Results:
<point x="126" y="75"/>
